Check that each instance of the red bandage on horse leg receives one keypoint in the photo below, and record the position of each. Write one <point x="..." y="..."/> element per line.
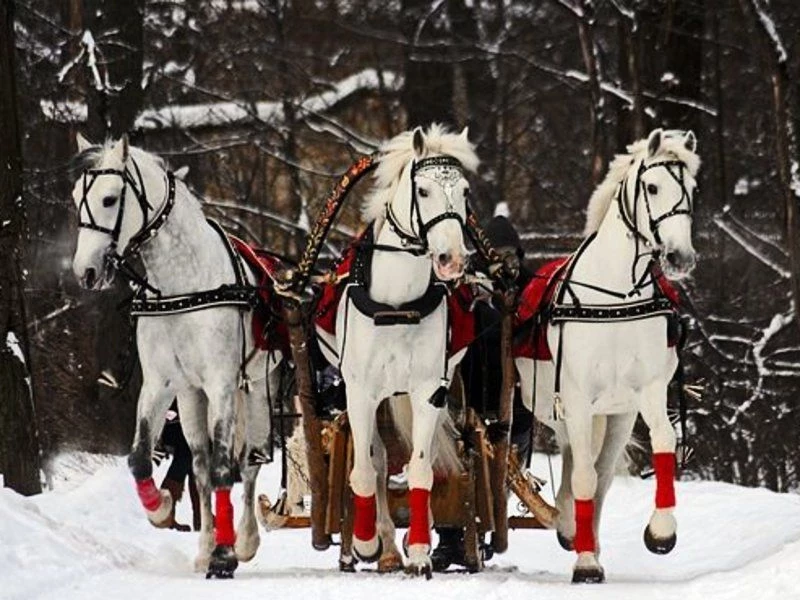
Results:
<point x="148" y="494"/>
<point x="419" y="531"/>
<point x="364" y="517"/>
<point x="664" y="466"/>
<point x="223" y="518"/>
<point x="584" y="533"/>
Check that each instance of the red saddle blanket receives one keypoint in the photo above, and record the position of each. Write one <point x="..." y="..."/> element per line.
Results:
<point x="269" y="329"/>
<point x="539" y="293"/>
<point x="459" y="304"/>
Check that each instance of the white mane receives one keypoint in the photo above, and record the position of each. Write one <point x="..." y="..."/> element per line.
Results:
<point x="398" y="151"/>
<point x="672" y="146"/>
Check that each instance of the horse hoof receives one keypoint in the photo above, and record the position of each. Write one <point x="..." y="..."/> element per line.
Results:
<point x="162" y="517"/>
<point x="417" y="570"/>
<point x="564" y="541"/>
<point x="659" y="545"/>
<point x="390" y="563"/>
<point x="222" y="564"/>
<point x="347" y="565"/>
<point x="372" y="557"/>
<point x="588" y="575"/>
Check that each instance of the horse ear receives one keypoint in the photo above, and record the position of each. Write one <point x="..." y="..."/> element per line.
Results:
<point x="465" y="134"/>
<point x="182" y="172"/>
<point x="419" y="142"/>
<point x="654" y="141"/>
<point x="83" y="143"/>
<point x="690" y="141"/>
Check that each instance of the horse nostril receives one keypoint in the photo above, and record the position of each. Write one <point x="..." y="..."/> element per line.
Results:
<point x="89" y="278"/>
<point x="673" y="258"/>
<point x="444" y="258"/>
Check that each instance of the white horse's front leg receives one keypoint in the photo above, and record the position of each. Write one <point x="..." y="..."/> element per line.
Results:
<point x="420" y="482"/>
<point x="193" y="408"/>
<point x="660" y="535"/>
<point x="579" y="420"/>
<point x="363" y="477"/>
<point x="154" y="399"/>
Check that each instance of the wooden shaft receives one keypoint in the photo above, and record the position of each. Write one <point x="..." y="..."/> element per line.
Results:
<point x="505" y="417"/>
<point x="318" y="475"/>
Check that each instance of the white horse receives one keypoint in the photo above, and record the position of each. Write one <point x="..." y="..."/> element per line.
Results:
<point x="609" y="366"/>
<point x="418" y="210"/>
<point x="128" y="203"/>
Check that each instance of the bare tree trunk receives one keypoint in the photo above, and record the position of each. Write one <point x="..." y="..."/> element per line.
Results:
<point x="631" y="123"/>
<point x="18" y="430"/>
<point x="597" y="104"/>
<point x="682" y="48"/>
<point x="428" y="90"/>
<point x="776" y="61"/>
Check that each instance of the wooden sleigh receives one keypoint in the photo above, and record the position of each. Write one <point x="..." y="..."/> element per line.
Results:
<point x="476" y="499"/>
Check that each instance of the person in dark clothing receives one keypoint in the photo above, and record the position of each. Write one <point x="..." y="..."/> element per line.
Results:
<point x="173" y="440"/>
<point x="481" y="370"/>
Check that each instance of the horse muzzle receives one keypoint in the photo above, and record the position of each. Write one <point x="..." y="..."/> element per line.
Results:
<point x="447" y="266"/>
<point x="678" y="264"/>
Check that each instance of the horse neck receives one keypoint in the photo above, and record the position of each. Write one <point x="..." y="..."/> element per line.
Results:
<point x="397" y="277"/>
<point x="608" y="259"/>
<point x="186" y="255"/>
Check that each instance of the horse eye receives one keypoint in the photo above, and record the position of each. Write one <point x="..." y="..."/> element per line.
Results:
<point x="423" y="193"/>
<point x="652" y="188"/>
<point x="109" y="201"/>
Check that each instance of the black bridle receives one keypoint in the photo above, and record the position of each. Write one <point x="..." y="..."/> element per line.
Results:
<point x="416" y="242"/>
<point x="683" y="206"/>
<point x="114" y="258"/>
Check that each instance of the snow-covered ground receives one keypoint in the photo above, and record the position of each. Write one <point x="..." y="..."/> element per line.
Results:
<point x="88" y="538"/>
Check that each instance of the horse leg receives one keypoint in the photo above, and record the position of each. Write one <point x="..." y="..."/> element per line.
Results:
<point x="420" y="482"/>
<point x="221" y="404"/>
<point x="256" y="450"/>
<point x="579" y="424"/>
<point x="565" y="522"/>
<point x="193" y="408"/>
<point x="390" y="559"/>
<point x="363" y="477"/>
<point x="154" y="399"/>
<point x="660" y="534"/>
<point x="617" y="433"/>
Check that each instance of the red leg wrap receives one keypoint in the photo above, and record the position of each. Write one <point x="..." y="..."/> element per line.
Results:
<point x="223" y="518"/>
<point x="365" y="515"/>
<point x="584" y="533"/>
<point x="419" y="530"/>
<point x="148" y="494"/>
<point x="664" y="466"/>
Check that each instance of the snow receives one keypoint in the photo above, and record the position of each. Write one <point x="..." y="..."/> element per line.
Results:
<point x="87" y="538"/>
<point x="216" y="114"/>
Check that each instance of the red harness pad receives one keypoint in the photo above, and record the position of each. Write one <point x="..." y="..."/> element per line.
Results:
<point x="459" y="304"/>
<point x="265" y="265"/>
<point x="539" y="293"/>
<point x="536" y="295"/>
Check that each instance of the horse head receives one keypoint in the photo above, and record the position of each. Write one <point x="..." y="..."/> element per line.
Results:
<point x="107" y="219"/>
<point x="429" y="207"/>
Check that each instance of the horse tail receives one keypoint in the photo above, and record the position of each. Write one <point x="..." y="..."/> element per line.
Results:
<point x="445" y="453"/>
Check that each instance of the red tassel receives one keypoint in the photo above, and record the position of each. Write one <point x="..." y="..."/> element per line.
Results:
<point x="419" y="531"/>
<point x="584" y="534"/>
<point x="148" y="494"/>
<point x="224" y="534"/>
<point x="664" y="466"/>
<point x="365" y="515"/>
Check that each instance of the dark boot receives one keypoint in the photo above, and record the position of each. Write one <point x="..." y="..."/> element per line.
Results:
<point x="175" y="489"/>
<point x="450" y="549"/>
<point x="194" y="497"/>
